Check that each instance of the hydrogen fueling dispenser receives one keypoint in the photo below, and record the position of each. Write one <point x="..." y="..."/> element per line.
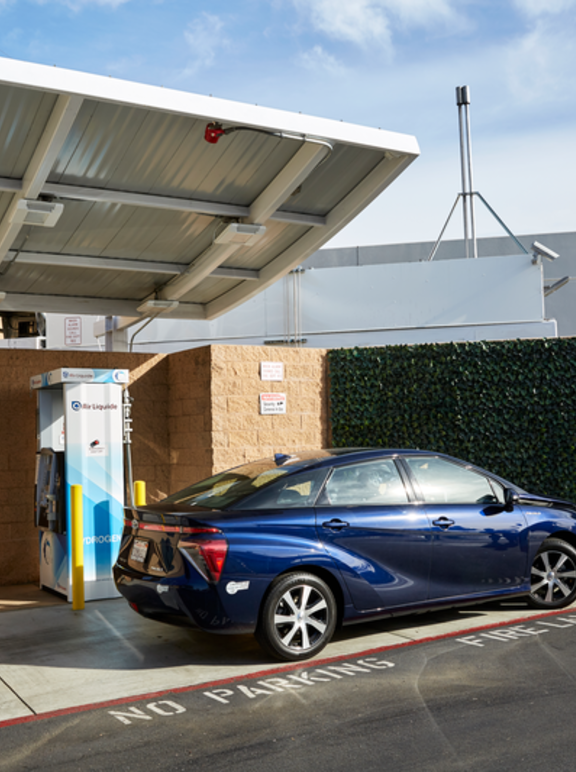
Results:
<point x="80" y="442"/>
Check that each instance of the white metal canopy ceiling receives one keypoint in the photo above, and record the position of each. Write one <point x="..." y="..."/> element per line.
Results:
<point x="146" y="207"/>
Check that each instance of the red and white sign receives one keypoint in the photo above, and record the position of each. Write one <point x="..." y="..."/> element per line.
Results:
<point x="272" y="404"/>
<point x="73" y="331"/>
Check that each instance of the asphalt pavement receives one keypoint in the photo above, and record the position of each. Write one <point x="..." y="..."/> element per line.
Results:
<point x="56" y="660"/>
<point x="487" y="690"/>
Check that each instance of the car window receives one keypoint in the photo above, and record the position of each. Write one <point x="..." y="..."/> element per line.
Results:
<point x="370" y="483"/>
<point x="291" y="492"/>
<point x="442" y="482"/>
<point x="227" y="488"/>
<point x="498" y="491"/>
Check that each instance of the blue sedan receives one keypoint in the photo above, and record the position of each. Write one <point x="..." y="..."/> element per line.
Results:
<point x="287" y="548"/>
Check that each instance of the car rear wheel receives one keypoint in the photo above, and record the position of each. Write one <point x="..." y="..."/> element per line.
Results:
<point x="298" y="617"/>
<point x="553" y="575"/>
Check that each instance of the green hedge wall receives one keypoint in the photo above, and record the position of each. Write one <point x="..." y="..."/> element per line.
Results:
<point x="507" y="406"/>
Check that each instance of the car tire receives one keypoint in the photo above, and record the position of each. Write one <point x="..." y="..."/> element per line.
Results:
<point x="298" y="617"/>
<point x="553" y="575"/>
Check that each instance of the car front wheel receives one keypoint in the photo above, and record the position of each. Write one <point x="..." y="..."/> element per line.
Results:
<point x="298" y="617"/>
<point x="553" y="575"/>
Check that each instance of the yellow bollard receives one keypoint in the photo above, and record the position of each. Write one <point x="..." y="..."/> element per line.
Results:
<point x="77" y="542"/>
<point x="140" y="493"/>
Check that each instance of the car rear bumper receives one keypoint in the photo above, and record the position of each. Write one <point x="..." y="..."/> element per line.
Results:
<point x="198" y="606"/>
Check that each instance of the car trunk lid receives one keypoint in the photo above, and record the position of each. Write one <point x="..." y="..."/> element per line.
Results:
<point x="160" y="543"/>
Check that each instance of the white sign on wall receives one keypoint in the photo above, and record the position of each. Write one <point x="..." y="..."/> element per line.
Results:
<point x="272" y="371"/>
<point x="73" y="331"/>
<point x="272" y="404"/>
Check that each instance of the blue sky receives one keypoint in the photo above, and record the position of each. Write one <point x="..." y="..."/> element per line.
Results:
<point x="388" y="63"/>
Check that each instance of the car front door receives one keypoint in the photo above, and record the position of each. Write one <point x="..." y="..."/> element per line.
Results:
<point x="378" y="537"/>
<point x="477" y="546"/>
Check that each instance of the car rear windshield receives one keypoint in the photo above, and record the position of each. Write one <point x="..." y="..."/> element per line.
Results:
<point x="228" y="488"/>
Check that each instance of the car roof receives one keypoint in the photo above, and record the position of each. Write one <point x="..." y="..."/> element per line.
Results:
<point x="328" y="456"/>
<point x="338" y="456"/>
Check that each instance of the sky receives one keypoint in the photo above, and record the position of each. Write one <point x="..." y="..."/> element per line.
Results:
<point x="392" y="64"/>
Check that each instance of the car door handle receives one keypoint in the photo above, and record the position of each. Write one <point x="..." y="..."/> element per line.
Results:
<point x="443" y="522"/>
<point x="335" y="524"/>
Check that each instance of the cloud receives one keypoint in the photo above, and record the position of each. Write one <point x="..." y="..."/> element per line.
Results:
<point x="541" y="7"/>
<point x="317" y="59"/>
<point x="360" y="22"/>
<point x="78" y="5"/>
<point x="123" y="66"/>
<point x="541" y="63"/>
<point x="363" y="22"/>
<point x="419" y="12"/>
<point x="204" y="38"/>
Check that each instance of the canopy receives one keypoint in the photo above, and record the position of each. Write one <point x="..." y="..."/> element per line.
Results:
<point x="118" y="198"/>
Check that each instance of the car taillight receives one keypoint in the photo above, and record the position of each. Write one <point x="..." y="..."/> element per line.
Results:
<point x="214" y="553"/>
<point x="207" y="555"/>
<point x="142" y="526"/>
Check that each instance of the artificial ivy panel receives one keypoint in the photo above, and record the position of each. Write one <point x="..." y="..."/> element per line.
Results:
<point x="508" y="406"/>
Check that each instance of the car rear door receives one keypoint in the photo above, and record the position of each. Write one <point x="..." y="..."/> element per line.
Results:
<point x="477" y="546"/>
<point x="379" y="538"/>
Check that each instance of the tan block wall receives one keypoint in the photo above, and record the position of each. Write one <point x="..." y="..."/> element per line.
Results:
<point x="190" y="417"/>
<point x="195" y="413"/>
<point x="239" y="432"/>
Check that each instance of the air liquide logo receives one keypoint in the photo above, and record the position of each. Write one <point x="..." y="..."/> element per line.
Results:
<point x="76" y="406"/>
<point x="77" y="376"/>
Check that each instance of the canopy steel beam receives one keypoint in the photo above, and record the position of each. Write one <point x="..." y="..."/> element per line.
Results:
<point x="211" y="259"/>
<point x="55" y="132"/>
<point x="121" y="264"/>
<point x="9" y="185"/>
<point x="286" y="181"/>
<point x="171" y="203"/>
<point x="90" y="306"/>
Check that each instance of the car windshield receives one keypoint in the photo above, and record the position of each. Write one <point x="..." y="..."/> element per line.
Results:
<point x="226" y="489"/>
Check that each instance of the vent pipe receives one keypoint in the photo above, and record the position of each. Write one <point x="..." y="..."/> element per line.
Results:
<point x="463" y="102"/>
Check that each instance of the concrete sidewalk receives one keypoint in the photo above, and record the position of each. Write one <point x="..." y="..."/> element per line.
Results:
<point x="53" y="658"/>
<point x="27" y="596"/>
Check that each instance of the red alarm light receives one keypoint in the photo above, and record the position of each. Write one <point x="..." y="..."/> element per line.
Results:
<point x="213" y="133"/>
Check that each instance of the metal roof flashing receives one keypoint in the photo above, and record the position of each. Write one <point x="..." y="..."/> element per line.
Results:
<point x="145" y="196"/>
<point x="57" y="80"/>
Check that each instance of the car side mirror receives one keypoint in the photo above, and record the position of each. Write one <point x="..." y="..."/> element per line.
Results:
<point x="511" y="499"/>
